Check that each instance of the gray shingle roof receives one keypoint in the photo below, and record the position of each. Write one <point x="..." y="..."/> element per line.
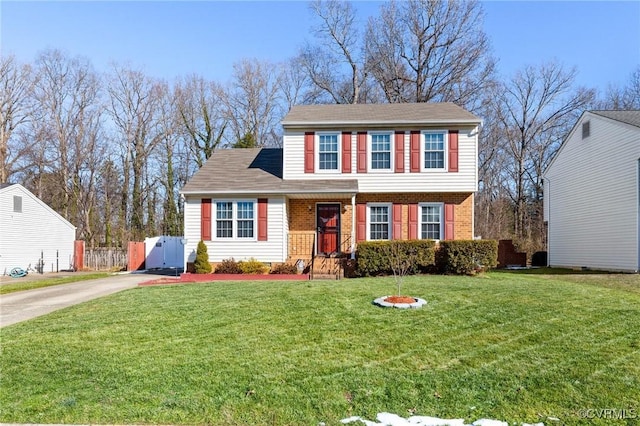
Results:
<point x="256" y="171"/>
<point x="378" y="114"/>
<point x="630" y="117"/>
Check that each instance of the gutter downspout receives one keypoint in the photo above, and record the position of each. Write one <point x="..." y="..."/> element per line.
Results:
<point x="353" y="226"/>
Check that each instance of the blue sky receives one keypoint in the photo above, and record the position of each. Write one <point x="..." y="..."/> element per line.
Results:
<point x="171" y="39"/>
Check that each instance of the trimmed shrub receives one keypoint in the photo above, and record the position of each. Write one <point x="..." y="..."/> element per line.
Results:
<point x="228" y="266"/>
<point x="466" y="257"/>
<point x="252" y="266"/>
<point x="284" y="268"/>
<point x="201" y="264"/>
<point x="373" y="257"/>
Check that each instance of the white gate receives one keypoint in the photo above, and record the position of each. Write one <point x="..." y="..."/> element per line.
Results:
<point x="164" y="252"/>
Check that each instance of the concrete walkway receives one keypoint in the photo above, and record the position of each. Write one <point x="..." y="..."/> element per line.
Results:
<point x="25" y="305"/>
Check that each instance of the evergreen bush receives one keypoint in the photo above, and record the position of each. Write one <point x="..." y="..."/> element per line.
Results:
<point x="201" y="264"/>
<point x="252" y="266"/>
<point x="467" y="257"/>
<point x="373" y="257"/>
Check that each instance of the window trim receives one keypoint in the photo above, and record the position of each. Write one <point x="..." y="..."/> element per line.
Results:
<point x="389" y="207"/>
<point x="445" y="147"/>
<point x="234" y="219"/>
<point x="389" y="133"/>
<point x="420" y="222"/>
<point x="316" y="142"/>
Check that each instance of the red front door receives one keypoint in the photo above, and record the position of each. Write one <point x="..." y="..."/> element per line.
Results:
<point x="328" y="219"/>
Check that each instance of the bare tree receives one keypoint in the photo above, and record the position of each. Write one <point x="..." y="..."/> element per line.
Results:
<point x="66" y="137"/>
<point x="534" y="111"/>
<point x="16" y="83"/>
<point x="430" y="50"/>
<point x="623" y="98"/>
<point x="200" y="106"/>
<point x="134" y="106"/>
<point x="253" y="104"/>
<point x="335" y="64"/>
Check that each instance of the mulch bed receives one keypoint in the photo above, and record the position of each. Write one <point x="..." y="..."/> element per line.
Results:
<point x="187" y="278"/>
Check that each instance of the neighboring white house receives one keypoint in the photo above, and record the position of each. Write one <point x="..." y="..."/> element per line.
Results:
<point x="344" y="174"/>
<point x="591" y="194"/>
<point x="31" y="231"/>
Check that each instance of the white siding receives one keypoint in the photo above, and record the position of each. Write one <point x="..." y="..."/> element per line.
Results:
<point x="465" y="180"/>
<point x="591" y="198"/>
<point x="273" y="250"/>
<point x="37" y="231"/>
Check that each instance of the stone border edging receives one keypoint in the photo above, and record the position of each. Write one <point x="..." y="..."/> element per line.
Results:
<point x="417" y="304"/>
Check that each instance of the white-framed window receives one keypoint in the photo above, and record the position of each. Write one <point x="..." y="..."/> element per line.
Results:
<point x="430" y="217"/>
<point x="378" y="221"/>
<point x="434" y="149"/>
<point x="235" y="219"/>
<point x="328" y="149"/>
<point x="381" y="151"/>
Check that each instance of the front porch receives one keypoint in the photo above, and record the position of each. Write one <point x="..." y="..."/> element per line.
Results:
<point x="320" y="235"/>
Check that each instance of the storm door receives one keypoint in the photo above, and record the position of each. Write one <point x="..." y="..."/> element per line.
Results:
<point x="328" y="221"/>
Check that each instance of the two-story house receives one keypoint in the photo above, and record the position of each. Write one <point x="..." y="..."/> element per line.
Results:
<point x="344" y="174"/>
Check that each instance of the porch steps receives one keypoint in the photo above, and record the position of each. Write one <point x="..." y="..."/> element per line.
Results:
<point x="327" y="267"/>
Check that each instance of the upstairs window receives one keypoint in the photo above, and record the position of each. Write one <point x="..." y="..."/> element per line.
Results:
<point x="235" y="219"/>
<point x="434" y="149"/>
<point x="328" y="151"/>
<point x="381" y="151"/>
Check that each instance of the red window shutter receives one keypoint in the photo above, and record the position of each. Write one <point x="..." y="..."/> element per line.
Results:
<point x="399" y="152"/>
<point x="361" y="222"/>
<point x="453" y="150"/>
<point x="309" y="158"/>
<point x="362" y="152"/>
<point x="205" y="219"/>
<point x="415" y="151"/>
<point x="413" y="221"/>
<point x="262" y="219"/>
<point x="448" y="221"/>
<point x="346" y="152"/>
<point x="396" y="219"/>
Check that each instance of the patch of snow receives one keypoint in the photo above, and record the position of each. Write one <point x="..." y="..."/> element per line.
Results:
<point x="489" y="422"/>
<point x="389" y="419"/>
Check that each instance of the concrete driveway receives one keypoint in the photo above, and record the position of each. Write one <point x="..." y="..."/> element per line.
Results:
<point x="24" y="305"/>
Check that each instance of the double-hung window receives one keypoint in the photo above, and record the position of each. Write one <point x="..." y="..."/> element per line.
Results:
<point x="434" y="149"/>
<point x="431" y="221"/>
<point x="379" y="222"/>
<point x="235" y="219"/>
<point x="328" y="151"/>
<point x="380" y="150"/>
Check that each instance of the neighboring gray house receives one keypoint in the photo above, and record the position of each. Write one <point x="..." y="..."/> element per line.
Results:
<point x="592" y="194"/>
<point x="31" y="231"/>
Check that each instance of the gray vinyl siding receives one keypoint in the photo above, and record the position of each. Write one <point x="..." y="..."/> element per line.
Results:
<point x="272" y="250"/>
<point x="465" y="180"/>
<point x="36" y="231"/>
<point x="591" y="198"/>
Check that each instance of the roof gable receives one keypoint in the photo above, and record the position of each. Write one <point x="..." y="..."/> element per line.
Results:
<point x="15" y="186"/>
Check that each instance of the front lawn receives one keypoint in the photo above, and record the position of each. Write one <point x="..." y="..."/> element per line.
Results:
<point x="515" y="347"/>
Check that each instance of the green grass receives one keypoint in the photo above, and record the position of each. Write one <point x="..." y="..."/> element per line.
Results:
<point x="26" y="284"/>
<point x="508" y="346"/>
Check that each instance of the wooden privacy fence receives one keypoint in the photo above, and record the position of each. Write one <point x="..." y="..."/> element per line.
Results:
<point x="102" y="259"/>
